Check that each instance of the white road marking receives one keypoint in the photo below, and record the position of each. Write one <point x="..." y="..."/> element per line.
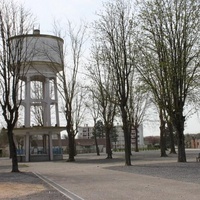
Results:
<point x="58" y="187"/>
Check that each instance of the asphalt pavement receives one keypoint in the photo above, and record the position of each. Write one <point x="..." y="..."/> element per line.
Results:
<point x="93" y="177"/>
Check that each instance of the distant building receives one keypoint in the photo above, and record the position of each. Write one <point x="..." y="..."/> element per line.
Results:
<point x="195" y="143"/>
<point x="120" y="139"/>
<point x="86" y="132"/>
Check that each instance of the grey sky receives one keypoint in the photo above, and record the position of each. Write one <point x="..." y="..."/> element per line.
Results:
<point x="46" y="11"/>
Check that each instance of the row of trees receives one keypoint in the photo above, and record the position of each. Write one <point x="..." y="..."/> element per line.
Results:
<point x="169" y="61"/>
<point x="150" y="54"/>
<point x="113" y="70"/>
<point x="142" y="56"/>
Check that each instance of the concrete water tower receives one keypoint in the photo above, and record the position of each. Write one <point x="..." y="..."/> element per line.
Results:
<point x="43" y="59"/>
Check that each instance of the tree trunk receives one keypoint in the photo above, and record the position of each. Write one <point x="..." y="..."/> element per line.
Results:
<point x="181" y="147"/>
<point x="179" y="123"/>
<point x="162" y="136"/>
<point x="127" y="145"/>
<point x="129" y="131"/>
<point x="126" y="136"/>
<point x="96" y="144"/>
<point x="162" y="142"/>
<point x="71" y="142"/>
<point x="136" y="140"/>
<point x="171" y="135"/>
<point x="108" y="144"/>
<point x="13" y="151"/>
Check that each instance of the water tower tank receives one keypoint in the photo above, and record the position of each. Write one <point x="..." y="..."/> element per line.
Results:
<point x="43" y="53"/>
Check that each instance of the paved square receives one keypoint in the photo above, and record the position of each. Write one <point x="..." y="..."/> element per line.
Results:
<point x="93" y="177"/>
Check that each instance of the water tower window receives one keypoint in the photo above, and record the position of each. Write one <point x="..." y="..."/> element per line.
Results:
<point x="37" y="113"/>
<point x="36" y="90"/>
<point x="53" y="115"/>
<point x="52" y="88"/>
<point x="21" y="118"/>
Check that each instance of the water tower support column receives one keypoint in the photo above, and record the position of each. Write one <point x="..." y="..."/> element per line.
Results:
<point x="47" y="112"/>
<point x="27" y="102"/>
<point x="56" y="105"/>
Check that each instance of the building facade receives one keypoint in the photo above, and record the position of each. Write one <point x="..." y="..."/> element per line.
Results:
<point x="195" y="143"/>
<point x="120" y="138"/>
<point x="86" y="132"/>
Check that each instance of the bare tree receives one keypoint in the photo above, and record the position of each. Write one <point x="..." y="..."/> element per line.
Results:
<point x="138" y="103"/>
<point x="14" y="20"/>
<point x="171" y="30"/>
<point x="103" y="92"/>
<point x="93" y="106"/>
<point x="116" y="33"/>
<point x="70" y="89"/>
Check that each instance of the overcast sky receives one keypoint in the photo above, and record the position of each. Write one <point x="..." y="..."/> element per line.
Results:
<point x="46" y="11"/>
